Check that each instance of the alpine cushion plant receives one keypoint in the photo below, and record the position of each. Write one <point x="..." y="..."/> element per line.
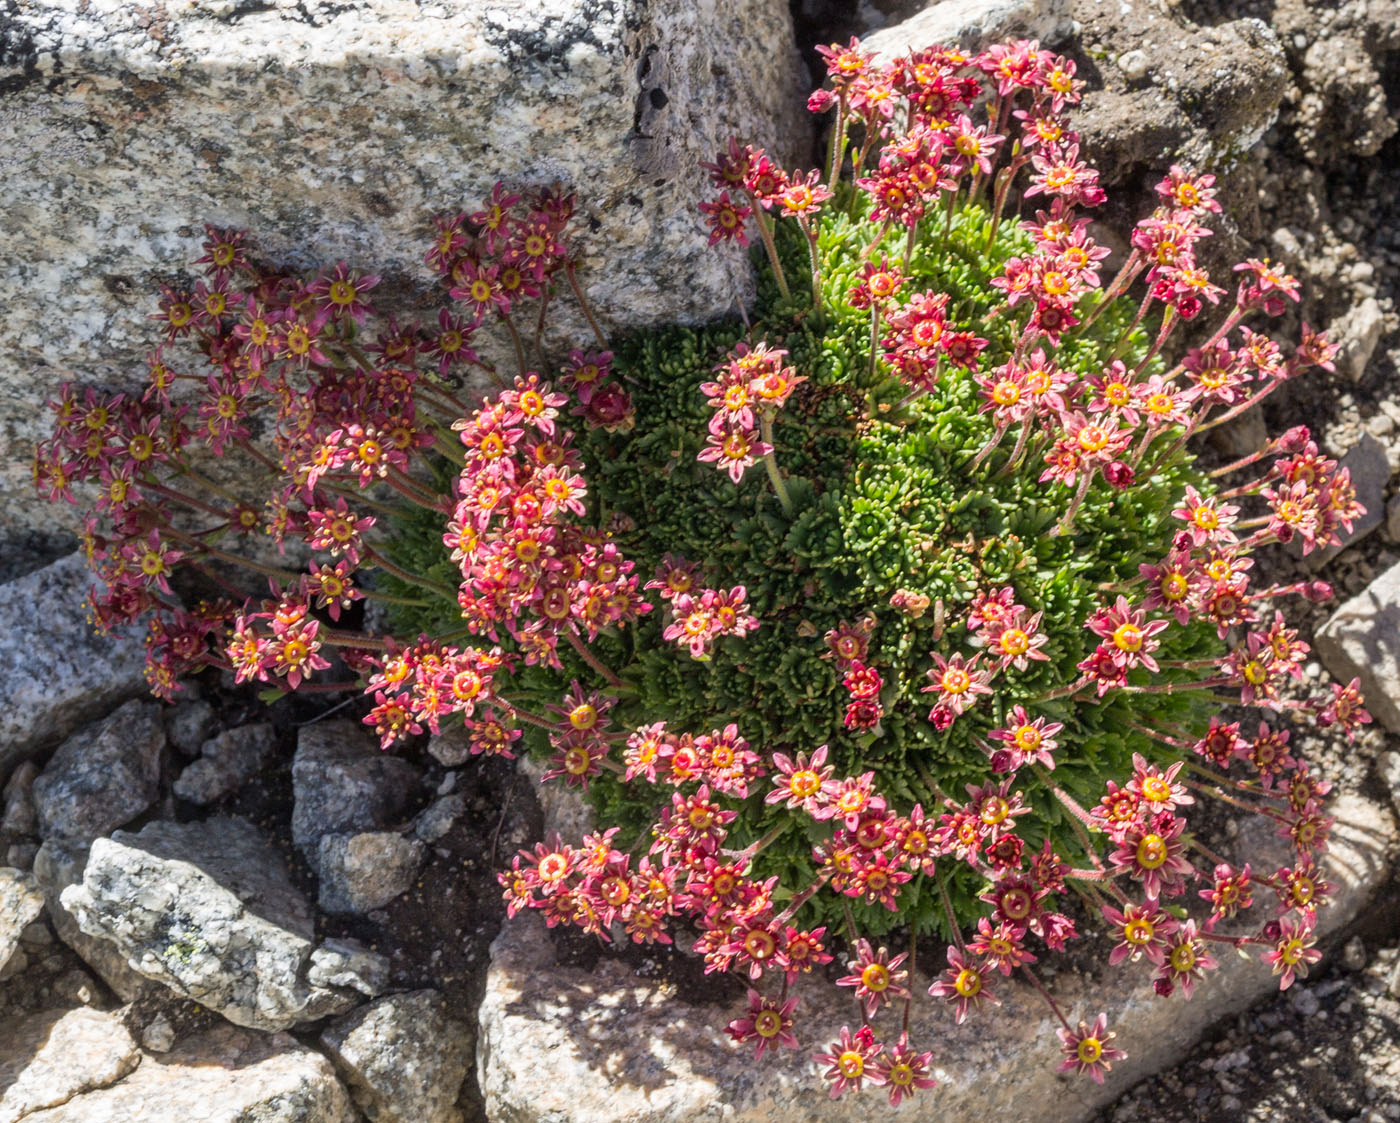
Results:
<point x="900" y="608"/>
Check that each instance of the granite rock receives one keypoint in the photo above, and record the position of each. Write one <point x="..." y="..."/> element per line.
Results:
<point x="48" y="1058"/>
<point x="363" y="872"/>
<point x="403" y="1057"/>
<point x="56" y="673"/>
<point x="336" y="130"/>
<point x="1362" y="640"/>
<point x="102" y="776"/>
<point x="226" y="1075"/>
<point x="1358" y="332"/>
<point x="207" y="910"/>
<point x="342" y="783"/>
<point x="439" y="817"/>
<point x="226" y="763"/>
<point x="57" y="865"/>
<point x="20" y="818"/>
<point x="190" y="723"/>
<point x="21" y="902"/>
<point x="973" y="24"/>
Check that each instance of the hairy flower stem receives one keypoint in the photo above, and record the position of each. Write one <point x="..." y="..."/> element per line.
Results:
<point x="1247" y="404"/>
<point x="1015" y="458"/>
<point x="987" y="448"/>
<point x="515" y="342"/>
<point x="836" y="146"/>
<point x="1125" y="277"/>
<point x="765" y="231"/>
<point x="591" y="659"/>
<point x="1121" y="344"/>
<point x="1243" y="462"/>
<point x="815" y="260"/>
<point x="148" y="483"/>
<point x="375" y="558"/>
<point x="1253" y="809"/>
<point x="1045" y="994"/>
<point x="1174" y="687"/>
<point x="283" y="575"/>
<point x="748" y="853"/>
<point x="874" y="338"/>
<point x="802" y="898"/>
<point x="770" y="464"/>
<point x="1067" y="523"/>
<point x="183" y="468"/>
<point x="948" y="909"/>
<point x="1003" y="183"/>
<point x="1064" y="691"/>
<point x="415" y="493"/>
<point x="570" y="273"/>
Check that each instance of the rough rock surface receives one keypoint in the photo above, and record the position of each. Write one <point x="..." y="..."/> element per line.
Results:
<point x="190" y="723"/>
<point x="50" y="1057"/>
<point x="363" y="872"/>
<point x="1363" y="640"/>
<point x="207" y="910"/>
<point x="226" y="763"/>
<point x="227" y="1075"/>
<point x="973" y="24"/>
<point x="623" y="1050"/>
<point x="55" y="672"/>
<point x="403" y="1057"/>
<point x="336" y="130"/>
<point x="102" y="776"/>
<point x="21" y="901"/>
<point x="342" y="783"/>
<point x="57" y="865"/>
<point x="439" y="817"/>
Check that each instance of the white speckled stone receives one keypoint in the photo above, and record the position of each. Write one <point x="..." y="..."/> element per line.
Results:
<point x="55" y="672"/>
<point x="337" y="130"/>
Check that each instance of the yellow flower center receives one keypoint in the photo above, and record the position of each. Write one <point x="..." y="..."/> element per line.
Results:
<point x="1151" y="851"/>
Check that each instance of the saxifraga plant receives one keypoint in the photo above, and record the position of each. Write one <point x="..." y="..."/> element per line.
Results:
<point x="945" y="637"/>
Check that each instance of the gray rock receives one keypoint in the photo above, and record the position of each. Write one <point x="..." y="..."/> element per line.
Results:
<point x="55" y="672"/>
<point x="1392" y="518"/>
<point x="226" y="1075"/>
<point x="403" y="1057"/>
<point x="348" y="965"/>
<point x="226" y="763"/>
<point x="20" y="816"/>
<point x="21" y="902"/>
<point x="451" y="747"/>
<point x="1359" y="331"/>
<point x="57" y="865"/>
<point x="363" y="872"/>
<point x="102" y="776"/>
<point x="207" y="910"/>
<point x="342" y="783"/>
<point x="336" y="130"/>
<point x="1388" y="767"/>
<point x="1362" y="639"/>
<point x="973" y="24"/>
<point x="20" y="855"/>
<point x="622" y="1050"/>
<point x="159" y="1035"/>
<point x="48" y="1058"/>
<point x="439" y="817"/>
<point x="189" y="724"/>
<point x="1343" y="112"/>
<point x="1370" y="472"/>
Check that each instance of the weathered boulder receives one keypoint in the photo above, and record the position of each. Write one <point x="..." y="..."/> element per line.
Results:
<point x="1369" y="467"/>
<point x="207" y="910"/>
<point x="336" y="130"/>
<point x="404" y="1058"/>
<point x="1362" y="640"/>
<point x="57" y="865"/>
<point x="972" y="25"/>
<point x="342" y="783"/>
<point x="21" y="901"/>
<point x="226" y="763"/>
<point x="226" y="1075"/>
<point x="55" y="672"/>
<point x="363" y="872"/>
<point x="103" y="776"/>
<point x="48" y="1058"/>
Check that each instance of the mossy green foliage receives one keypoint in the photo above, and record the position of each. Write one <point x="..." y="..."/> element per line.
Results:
<point x="884" y="499"/>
